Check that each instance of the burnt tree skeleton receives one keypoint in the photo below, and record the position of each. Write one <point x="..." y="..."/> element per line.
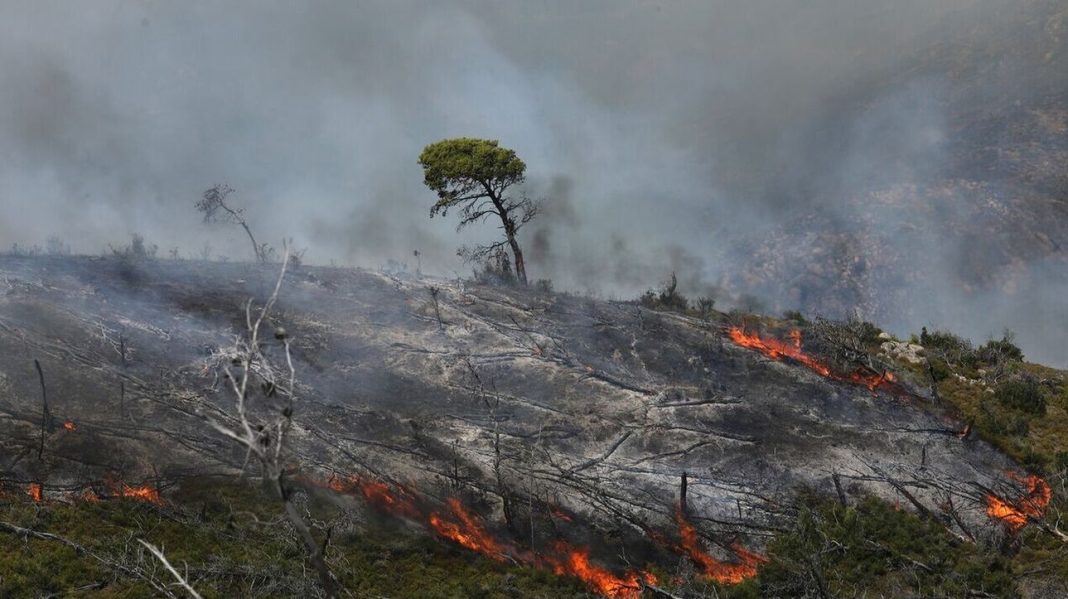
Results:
<point x="46" y="416"/>
<point x="264" y="436"/>
<point x="214" y="200"/>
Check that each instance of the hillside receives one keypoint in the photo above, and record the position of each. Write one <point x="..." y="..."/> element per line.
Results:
<point x="527" y="419"/>
<point x="949" y="192"/>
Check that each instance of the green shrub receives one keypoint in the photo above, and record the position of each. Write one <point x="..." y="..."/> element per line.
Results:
<point x="955" y="350"/>
<point x="1022" y="394"/>
<point x="998" y="351"/>
<point x="833" y="550"/>
<point x="1060" y="461"/>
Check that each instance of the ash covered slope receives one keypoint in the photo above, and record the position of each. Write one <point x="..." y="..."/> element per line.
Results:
<point x="595" y="407"/>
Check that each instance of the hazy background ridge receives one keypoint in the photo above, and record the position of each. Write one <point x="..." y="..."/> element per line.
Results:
<point x="907" y="159"/>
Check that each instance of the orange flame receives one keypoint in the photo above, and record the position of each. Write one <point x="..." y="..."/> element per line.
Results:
<point x="70" y="426"/>
<point x="713" y="568"/>
<point x="967" y="430"/>
<point x="560" y="514"/>
<point x="576" y="562"/>
<point x="36" y="492"/>
<point x="143" y="493"/>
<point x="380" y="494"/>
<point x="778" y="349"/>
<point x="465" y="529"/>
<point x="466" y="532"/>
<point x="1015" y="514"/>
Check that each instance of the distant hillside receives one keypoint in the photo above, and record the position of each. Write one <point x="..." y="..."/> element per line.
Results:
<point x="948" y="229"/>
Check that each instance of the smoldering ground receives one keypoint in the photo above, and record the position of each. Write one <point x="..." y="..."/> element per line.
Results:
<point x="661" y="134"/>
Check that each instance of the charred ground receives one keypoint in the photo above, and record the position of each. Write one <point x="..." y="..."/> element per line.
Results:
<point x="553" y="418"/>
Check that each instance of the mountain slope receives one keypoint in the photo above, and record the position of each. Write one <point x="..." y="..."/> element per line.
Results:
<point x="513" y="398"/>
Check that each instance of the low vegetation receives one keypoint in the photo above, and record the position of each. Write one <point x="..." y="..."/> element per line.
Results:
<point x="233" y="542"/>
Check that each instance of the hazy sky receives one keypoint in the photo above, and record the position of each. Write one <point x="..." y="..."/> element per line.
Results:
<point x="653" y="116"/>
<point x="657" y="130"/>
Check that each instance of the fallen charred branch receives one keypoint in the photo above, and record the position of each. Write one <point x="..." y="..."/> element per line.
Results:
<point x="134" y="571"/>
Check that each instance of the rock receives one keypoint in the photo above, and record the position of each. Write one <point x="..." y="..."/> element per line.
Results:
<point x="909" y="352"/>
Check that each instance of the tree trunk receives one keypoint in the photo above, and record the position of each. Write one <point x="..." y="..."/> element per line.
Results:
<point x="46" y="416"/>
<point x="520" y="266"/>
<point x="255" y="246"/>
<point x="314" y="551"/>
<point x="509" y="232"/>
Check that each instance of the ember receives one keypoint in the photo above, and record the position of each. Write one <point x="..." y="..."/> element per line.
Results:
<point x="36" y="492"/>
<point x="721" y="572"/>
<point x="777" y="349"/>
<point x="70" y="426"/>
<point x="1015" y="514"/>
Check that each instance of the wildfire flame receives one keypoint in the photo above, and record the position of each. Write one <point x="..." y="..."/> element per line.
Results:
<point x="70" y="426"/>
<point x="36" y="492"/>
<point x="143" y="493"/>
<point x="377" y="493"/>
<point x="967" y="430"/>
<point x="721" y="572"/>
<point x="778" y="349"/>
<point x="466" y="531"/>
<point x="1015" y="514"/>
<point x="576" y="562"/>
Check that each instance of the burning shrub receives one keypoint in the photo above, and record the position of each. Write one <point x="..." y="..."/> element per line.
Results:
<point x="1022" y="394"/>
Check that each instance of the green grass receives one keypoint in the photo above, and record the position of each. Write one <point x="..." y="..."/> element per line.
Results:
<point x="233" y="540"/>
<point x="875" y="548"/>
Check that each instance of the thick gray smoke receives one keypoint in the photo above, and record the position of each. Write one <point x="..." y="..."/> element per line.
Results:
<point x="660" y="132"/>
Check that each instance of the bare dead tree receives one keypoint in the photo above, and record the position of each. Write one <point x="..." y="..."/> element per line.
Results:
<point x="434" y="293"/>
<point x="46" y="416"/>
<point x="263" y="429"/>
<point x="683" y="507"/>
<point x="214" y="207"/>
